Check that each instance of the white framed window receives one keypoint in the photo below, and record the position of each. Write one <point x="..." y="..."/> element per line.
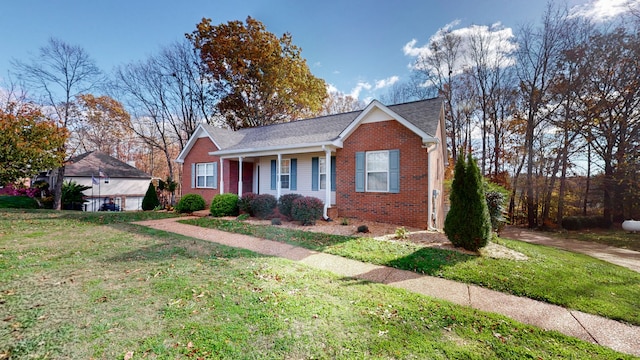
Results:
<point x="322" y="173"/>
<point x="285" y="173"/>
<point x="206" y="175"/>
<point x="377" y="171"/>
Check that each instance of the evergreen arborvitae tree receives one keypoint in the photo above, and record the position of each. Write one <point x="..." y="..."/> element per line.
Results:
<point x="150" y="200"/>
<point x="468" y="223"/>
<point x="455" y="221"/>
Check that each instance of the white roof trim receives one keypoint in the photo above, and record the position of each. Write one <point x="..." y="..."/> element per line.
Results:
<point x="274" y="150"/>
<point x="192" y="140"/>
<point x="375" y="104"/>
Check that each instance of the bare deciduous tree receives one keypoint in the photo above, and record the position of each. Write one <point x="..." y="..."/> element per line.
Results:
<point x="55" y="76"/>
<point x="167" y="97"/>
<point x="536" y="67"/>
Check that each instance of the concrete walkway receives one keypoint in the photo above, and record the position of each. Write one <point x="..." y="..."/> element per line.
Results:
<point x="623" y="257"/>
<point x="615" y="335"/>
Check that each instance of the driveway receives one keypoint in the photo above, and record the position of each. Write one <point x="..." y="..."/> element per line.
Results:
<point x="623" y="257"/>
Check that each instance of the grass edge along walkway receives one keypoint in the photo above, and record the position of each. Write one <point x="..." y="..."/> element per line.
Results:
<point x="606" y="332"/>
<point x="558" y="277"/>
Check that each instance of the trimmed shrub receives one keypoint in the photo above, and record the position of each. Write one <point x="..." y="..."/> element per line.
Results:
<point x="263" y="205"/>
<point x="244" y="203"/>
<point x="307" y="210"/>
<point x="190" y="203"/>
<point x="150" y="200"/>
<point x="17" y="202"/>
<point x="285" y="202"/>
<point x="468" y="224"/>
<point x="224" y="205"/>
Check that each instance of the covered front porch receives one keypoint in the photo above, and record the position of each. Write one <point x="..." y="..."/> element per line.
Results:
<point x="309" y="172"/>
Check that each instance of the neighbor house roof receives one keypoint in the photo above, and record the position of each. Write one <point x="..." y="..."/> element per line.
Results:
<point x="94" y="162"/>
<point x="421" y="116"/>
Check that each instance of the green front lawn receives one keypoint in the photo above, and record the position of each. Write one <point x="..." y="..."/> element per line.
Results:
<point x="559" y="277"/>
<point x="72" y="287"/>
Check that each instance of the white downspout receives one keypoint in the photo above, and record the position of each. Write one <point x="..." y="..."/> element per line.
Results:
<point x="278" y="176"/>
<point x="221" y="176"/>
<point x="430" y="188"/>
<point x="327" y="188"/>
<point x="240" y="176"/>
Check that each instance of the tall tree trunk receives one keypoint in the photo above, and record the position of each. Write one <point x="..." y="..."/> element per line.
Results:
<point x="588" y="180"/>
<point x="549" y="190"/>
<point x="608" y="186"/>
<point x="57" y="198"/>
<point x="531" y="206"/>
<point x="563" y="185"/>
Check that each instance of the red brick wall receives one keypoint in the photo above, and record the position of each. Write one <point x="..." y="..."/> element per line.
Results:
<point x="409" y="207"/>
<point x="200" y="154"/>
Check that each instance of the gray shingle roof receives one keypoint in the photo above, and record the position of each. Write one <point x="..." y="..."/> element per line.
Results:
<point x="90" y="163"/>
<point x="424" y="114"/>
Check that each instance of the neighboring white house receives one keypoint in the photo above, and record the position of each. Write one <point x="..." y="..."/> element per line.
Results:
<point x="110" y="180"/>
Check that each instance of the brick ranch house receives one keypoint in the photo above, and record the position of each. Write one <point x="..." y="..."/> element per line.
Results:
<point x="385" y="163"/>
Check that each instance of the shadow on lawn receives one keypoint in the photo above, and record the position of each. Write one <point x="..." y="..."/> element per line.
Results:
<point x="173" y="246"/>
<point x="430" y="261"/>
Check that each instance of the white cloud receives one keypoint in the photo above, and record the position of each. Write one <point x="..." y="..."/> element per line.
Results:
<point x="381" y="84"/>
<point x="497" y="40"/>
<point x="355" y="92"/>
<point x="603" y="10"/>
<point x="332" y="88"/>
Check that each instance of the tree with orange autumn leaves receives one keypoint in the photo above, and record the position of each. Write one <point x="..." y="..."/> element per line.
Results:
<point x="30" y="142"/>
<point x="258" y="78"/>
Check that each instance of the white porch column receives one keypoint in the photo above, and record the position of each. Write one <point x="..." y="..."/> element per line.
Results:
<point x="221" y="176"/>
<point x="240" y="176"/>
<point x="278" y="183"/>
<point x="327" y="188"/>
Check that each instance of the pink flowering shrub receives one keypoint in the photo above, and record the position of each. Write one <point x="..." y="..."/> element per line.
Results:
<point x="22" y="191"/>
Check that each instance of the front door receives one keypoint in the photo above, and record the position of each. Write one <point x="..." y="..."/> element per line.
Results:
<point x="247" y="177"/>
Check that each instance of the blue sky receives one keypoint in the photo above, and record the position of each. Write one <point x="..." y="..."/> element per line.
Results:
<point x="358" y="47"/>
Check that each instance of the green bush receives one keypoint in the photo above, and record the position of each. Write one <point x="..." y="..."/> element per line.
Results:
<point x="307" y="210"/>
<point x="17" y="202"/>
<point x="285" y="202"/>
<point x="190" y="203"/>
<point x="497" y="197"/>
<point x="468" y="224"/>
<point x="263" y="205"/>
<point x="72" y="196"/>
<point x="150" y="200"/>
<point x="585" y="222"/>
<point x="224" y="205"/>
<point x="244" y="203"/>
<point x="496" y="203"/>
